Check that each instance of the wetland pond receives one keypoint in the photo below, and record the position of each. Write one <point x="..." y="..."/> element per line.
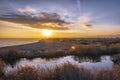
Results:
<point x="95" y="64"/>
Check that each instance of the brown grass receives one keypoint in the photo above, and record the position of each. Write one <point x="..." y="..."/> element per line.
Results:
<point x="23" y="73"/>
<point x="2" y="65"/>
<point x="12" y="55"/>
<point x="67" y="71"/>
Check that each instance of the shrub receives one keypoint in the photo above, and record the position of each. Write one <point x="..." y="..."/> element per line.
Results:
<point x="95" y="49"/>
<point x="114" y="48"/>
<point x="11" y="55"/>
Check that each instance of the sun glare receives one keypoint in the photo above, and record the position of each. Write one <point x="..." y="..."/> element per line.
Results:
<point x="47" y="33"/>
<point x="73" y="47"/>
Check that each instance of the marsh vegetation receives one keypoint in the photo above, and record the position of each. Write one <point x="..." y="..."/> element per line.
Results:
<point x="85" y="61"/>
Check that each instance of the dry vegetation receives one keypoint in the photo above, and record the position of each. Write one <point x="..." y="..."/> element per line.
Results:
<point x="67" y="71"/>
<point x="98" y="49"/>
<point x="2" y="65"/>
<point x="11" y="55"/>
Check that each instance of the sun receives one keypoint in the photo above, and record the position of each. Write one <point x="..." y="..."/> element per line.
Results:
<point x="47" y="33"/>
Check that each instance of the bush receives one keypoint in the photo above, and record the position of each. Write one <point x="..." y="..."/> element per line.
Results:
<point x="114" y="48"/>
<point x="11" y="55"/>
<point x="95" y="49"/>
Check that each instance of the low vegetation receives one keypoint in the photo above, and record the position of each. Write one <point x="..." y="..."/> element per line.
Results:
<point x="66" y="71"/>
<point x="11" y="55"/>
<point x="2" y="65"/>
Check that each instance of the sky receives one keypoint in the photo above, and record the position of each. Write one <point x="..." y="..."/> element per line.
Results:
<point x="65" y="18"/>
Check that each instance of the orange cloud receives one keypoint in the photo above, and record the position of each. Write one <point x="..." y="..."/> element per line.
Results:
<point x="84" y="22"/>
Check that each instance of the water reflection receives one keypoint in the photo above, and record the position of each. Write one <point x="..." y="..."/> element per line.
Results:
<point x="87" y="59"/>
<point x="93" y="59"/>
<point x="103" y="62"/>
<point x="105" y="58"/>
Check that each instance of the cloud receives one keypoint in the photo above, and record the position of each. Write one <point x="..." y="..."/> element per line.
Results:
<point x="86" y="25"/>
<point x="27" y="10"/>
<point x="84" y="22"/>
<point x="41" y="20"/>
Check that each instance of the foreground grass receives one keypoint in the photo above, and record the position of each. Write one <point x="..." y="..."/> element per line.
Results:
<point x="66" y="71"/>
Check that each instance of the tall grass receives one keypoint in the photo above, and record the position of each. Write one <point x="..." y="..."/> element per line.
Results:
<point x="23" y="73"/>
<point x="59" y="69"/>
<point x="2" y="65"/>
<point x="66" y="71"/>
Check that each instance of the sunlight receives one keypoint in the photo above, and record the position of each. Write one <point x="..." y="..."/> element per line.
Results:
<point x="47" y="33"/>
<point x="73" y="47"/>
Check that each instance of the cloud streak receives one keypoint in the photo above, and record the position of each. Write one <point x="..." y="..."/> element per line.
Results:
<point x="78" y="5"/>
<point x="27" y="10"/>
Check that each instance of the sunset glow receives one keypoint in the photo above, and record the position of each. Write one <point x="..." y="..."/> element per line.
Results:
<point x="47" y="33"/>
<point x="66" y="18"/>
<point x="59" y="39"/>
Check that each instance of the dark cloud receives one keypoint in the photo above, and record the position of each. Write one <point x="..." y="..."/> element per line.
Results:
<point x="41" y="20"/>
<point x="86" y="25"/>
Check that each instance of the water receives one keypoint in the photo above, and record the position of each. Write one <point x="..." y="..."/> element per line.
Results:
<point x="15" y="41"/>
<point x="104" y="62"/>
